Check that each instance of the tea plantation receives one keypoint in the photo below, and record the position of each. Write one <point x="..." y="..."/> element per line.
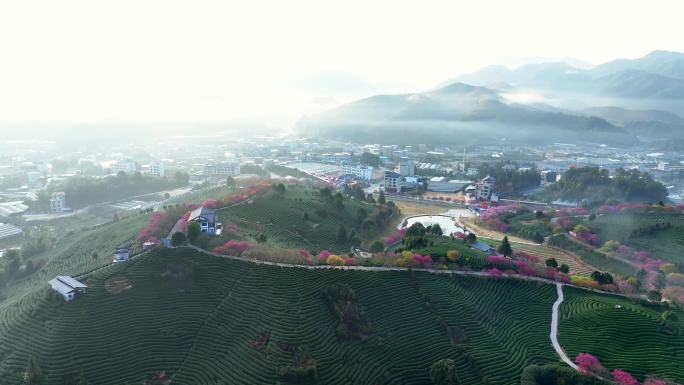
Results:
<point x="662" y="234"/>
<point x="622" y="334"/>
<point x="302" y="218"/>
<point x="196" y="319"/>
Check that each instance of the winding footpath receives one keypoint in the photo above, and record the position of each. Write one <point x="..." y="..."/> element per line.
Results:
<point x="554" y="328"/>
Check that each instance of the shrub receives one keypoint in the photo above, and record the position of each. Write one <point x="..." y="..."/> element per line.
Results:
<point x="453" y="255"/>
<point x="443" y="372"/>
<point x="335" y="260"/>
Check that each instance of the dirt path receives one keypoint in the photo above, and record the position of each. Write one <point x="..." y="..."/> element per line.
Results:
<point x="391" y="268"/>
<point x="554" y="328"/>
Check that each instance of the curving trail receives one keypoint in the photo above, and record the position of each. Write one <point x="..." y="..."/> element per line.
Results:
<point x="554" y="328"/>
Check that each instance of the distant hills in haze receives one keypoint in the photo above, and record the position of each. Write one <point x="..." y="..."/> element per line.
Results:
<point x="621" y="99"/>
<point x="659" y="74"/>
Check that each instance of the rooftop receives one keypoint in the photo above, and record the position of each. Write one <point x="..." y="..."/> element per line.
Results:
<point x="205" y="212"/>
<point x="65" y="284"/>
<point x="10" y="208"/>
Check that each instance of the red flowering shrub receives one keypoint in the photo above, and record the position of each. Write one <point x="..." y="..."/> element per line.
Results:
<point x="587" y="363"/>
<point x="623" y="378"/>
<point x="231" y="247"/>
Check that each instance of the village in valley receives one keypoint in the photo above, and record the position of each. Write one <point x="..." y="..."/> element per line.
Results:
<point x="341" y="193"/>
<point x="494" y="213"/>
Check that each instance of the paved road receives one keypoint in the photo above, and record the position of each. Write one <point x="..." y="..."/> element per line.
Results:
<point x="554" y="328"/>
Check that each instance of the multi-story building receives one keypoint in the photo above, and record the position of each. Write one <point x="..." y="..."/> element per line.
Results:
<point x="58" y="202"/>
<point x="126" y="166"/>
<point x="482" y="190"/>
<point x="485" y="188"/>
<point x="393" y="181"/>
<point x="154" y="169"/>
<point x="336" y="158"/>
<point x="358" y="170"/>
<point x="222" y="169"/>
<point x="407" y="168"/>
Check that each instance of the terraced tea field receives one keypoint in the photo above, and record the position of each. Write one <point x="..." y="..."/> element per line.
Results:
<point x="208" y="320"/>
<point x="283" y="222"/>
<point x="593" y="257"/>
<point x="576" y="265"/>
<point x="641" y="233"/>
<point x="622" y="334"/>
<point x="81" y="252"/>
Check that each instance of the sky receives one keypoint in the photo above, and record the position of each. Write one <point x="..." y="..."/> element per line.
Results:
<point x="213" y="60"/>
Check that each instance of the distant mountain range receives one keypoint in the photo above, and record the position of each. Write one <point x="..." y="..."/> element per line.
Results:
<point x="659" y="74"/>
<point x="476" y="107"/>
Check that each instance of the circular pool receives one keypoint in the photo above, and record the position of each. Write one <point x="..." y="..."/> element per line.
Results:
<point x="447" y="223"/>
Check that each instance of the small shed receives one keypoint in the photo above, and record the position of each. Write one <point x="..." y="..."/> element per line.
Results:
<point x="483" y="247"/>
<point x="67" y="286"/>
<point x="121" y="254"/>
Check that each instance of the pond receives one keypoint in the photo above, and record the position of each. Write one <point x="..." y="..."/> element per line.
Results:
<point x="447" y="223"/>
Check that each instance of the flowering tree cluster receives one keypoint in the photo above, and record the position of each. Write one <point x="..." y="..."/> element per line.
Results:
<point x="394" y="237"/>
<point x="408" y="259"/>
<point x="492" y="216"/>
<point x="623" y="378"/>
<point x="585" y="235"/>
<point x="231" y="248"/>
<point x="159" y="224"/>
<point x="588" y="363"/>
<point x="675" y="294"/>
<point x="494" y="273"/>
<point x="152" y="225"/>
<point x="525" y="267"/>
<point x="306" y="256"/>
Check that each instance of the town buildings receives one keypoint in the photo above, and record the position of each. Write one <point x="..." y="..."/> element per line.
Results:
<point x="126" y="166"/>
<point x="407" y="168"/>
<point x="357" y="170"/>
<point x="58" y="202"/>
<point x="393" y="181"/>
<point x="222" y="169"/>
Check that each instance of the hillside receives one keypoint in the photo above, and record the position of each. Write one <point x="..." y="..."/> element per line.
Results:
<point x="456" y="113"/>
<point x="198" y="319"/>
<point x="301" y="218"/>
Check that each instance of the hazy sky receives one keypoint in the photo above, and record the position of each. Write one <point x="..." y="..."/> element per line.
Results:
<point x="214" y="59"/>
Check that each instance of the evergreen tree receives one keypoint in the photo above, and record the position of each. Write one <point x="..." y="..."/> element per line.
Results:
<point x="178" y="238"/>
<point x="505" y="247"/>
<point x="443" y="372"/>
<point x="341" y="234"/>
<point x="194" y="230"/>
<point x="381" y="198"/>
